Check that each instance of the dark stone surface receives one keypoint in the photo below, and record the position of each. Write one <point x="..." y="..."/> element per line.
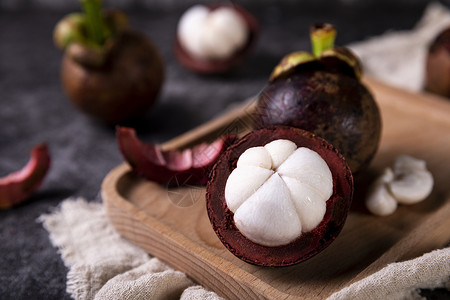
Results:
<point x="33" y="108"/>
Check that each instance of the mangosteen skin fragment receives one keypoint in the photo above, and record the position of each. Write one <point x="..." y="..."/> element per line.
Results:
<point x="334" y="106"/>
<point x="307" y="244"/>
<point x="18" y="186"/>
<point x="173" y="167"/>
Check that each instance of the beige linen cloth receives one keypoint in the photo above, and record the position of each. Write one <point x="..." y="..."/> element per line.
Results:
<point x="102" y="265"/>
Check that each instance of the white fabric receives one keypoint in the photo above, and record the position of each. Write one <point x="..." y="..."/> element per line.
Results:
<point x="88" y="243"/>
<point x="401" y="280"/>
<point x="105" y="266"/>
<point x="102" y="265"/>
<point x="152" y="280"/>
<point x="398" y="57"/>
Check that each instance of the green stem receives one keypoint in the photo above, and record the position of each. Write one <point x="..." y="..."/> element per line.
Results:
<point x="322" y="38"/>
<point x="93" y="11"/>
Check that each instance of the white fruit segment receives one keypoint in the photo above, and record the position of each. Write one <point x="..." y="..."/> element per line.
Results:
<point x="278" y="191"/>
<point x="279" y="151"/>
<point x="379" y="201"/>
<point x="308" y="203"/>
<point x="212" y="34"/>
<point x="257" y="157"/>
<point x="268" y="217"/>
<point x="239" y="188"/>
<point x="307" y="166"/>
<point x="190" y="22"/>
<point x="410" y="182"/>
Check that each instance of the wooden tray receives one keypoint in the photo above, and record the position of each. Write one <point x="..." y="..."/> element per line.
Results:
<point x="173" y="225"/>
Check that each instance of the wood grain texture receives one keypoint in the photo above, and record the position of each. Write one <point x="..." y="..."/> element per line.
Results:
<point x="172" y="224"/>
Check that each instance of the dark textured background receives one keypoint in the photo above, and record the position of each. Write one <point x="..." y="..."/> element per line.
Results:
<point x="33" y="108"/>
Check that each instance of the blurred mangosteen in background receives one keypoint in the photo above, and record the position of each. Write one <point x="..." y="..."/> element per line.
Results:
<point x="109" y="71"/>
<point x="321" y="92"/>
<point x="437" y="65"/>
<point x="214" y="38"/>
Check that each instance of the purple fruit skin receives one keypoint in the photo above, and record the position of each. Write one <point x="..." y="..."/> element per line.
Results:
<point x="334" y="106"/>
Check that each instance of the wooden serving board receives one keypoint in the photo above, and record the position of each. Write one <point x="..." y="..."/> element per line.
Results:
<point x="173" y="224"/>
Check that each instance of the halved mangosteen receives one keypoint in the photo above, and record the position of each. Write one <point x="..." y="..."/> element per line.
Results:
<point x="215" y="38"/>
<point x="279" y="196"/>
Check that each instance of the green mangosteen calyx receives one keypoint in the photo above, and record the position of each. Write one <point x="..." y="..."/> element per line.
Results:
<point x="87" y="36"/>
<point x="324" y="54"/>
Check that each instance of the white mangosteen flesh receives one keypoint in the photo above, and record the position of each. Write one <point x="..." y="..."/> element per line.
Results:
<point x="212" y="34"/>
<point x="278" y="191"/>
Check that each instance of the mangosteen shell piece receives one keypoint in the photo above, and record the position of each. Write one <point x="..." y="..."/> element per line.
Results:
<point x="16" y="187"/>
<point x="308" y="244"/>
<point x="172" y="168"/>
